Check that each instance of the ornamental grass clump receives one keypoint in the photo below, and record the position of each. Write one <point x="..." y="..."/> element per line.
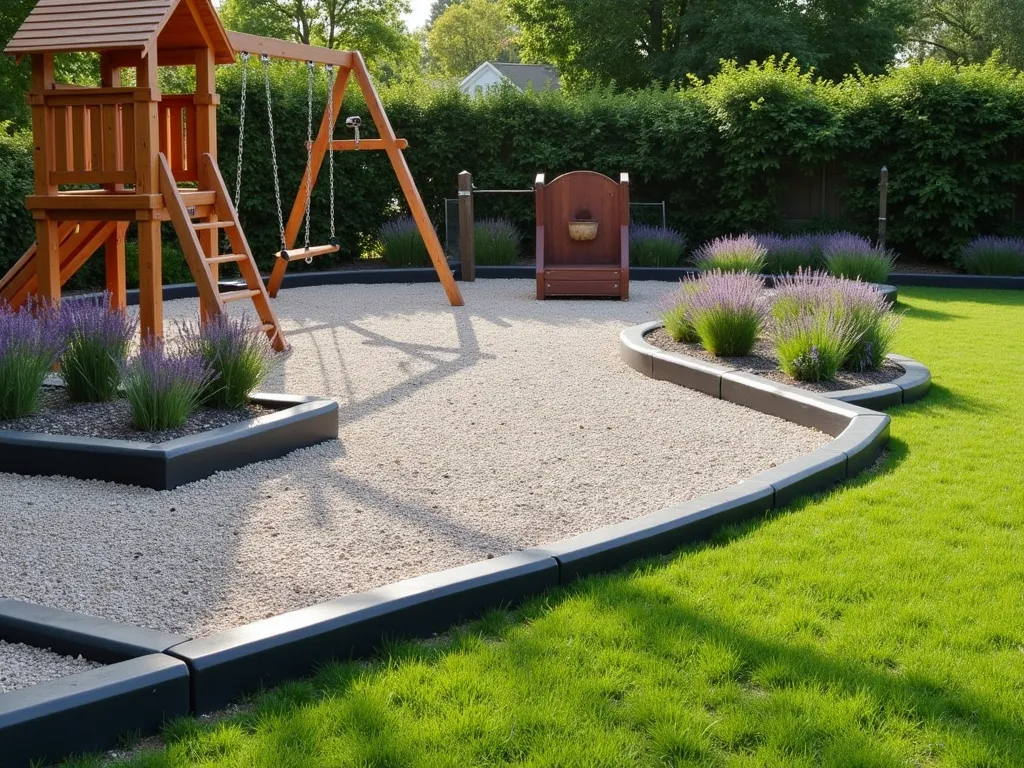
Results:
<point x="30" y="345"/>
<point x="727" y="312"/>
<point x="651" y="246"/>
<point x="496" y="242"/>
<point x="788" y="254"/>
<point x="813" y="347"/>
<point x="163" y="389"/>
<point x="675" y="311"/>
<point x="853" y="257"/>
<point x="401" y="243"/>
<point x="97" y="340"/>
<point x="731" y="254"/>
<point x="990" y="255"/>
<point x="236" y="351"/>
<point x="861" y="306"/>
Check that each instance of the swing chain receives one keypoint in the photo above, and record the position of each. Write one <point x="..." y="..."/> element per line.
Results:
<point x="241" y="128"/>
<point x="265" y="59"/>
<point x="330" y="143"/>
<point x="310" y="67"/>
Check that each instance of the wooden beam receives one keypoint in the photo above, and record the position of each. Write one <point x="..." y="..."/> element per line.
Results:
<point x="282" y="49"/>
<point x="406" y="181"/>
<point x="347" y="145"/>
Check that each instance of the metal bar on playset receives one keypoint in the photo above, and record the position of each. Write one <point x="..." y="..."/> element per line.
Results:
<point x="282" y="49"/>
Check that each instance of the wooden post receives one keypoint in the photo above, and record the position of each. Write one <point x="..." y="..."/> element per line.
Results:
<point x="405" y="180"/>
<point x="47" y="236"/>
<point x="883" y="204"/>
<point x="467" y="248"/>
<point x="206" y="99"/>
<point x="147" y="158"/>
<point x="114" y="259"/>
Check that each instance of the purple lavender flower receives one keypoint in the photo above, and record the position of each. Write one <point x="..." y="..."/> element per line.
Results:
<point x="496" y="242"/>
<point x="238" y="353"/>
<point x="852" y="256"/>
<point x="651" y="246"/>
<point x="989" y="255"/>
<point x="401" y="243"/>
<point x="787" y="254"/>
<point x="726" y="311"/>
<point x="742" y="253"/>
<point x="163" y="389"/>
<point x="30" y="344"/>
<point x="98" y="338"/>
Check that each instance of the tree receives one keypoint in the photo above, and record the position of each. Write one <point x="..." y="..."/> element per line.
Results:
<point x="437" y="8"/>
<point x="467" y="34"/>
<point x="366" y="25"/>
<point x="635" y="42"/>
<point x="969" y="31"/>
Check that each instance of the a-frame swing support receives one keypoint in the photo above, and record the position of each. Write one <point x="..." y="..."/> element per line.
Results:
<point x="348" y="63"/>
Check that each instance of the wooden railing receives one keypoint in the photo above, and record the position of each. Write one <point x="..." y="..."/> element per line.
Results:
<point x="90" y="129"/>
<point x="178" y="136"/>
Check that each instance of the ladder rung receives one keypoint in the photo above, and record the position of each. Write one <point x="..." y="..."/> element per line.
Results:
<point x="223" y="224"/>
<point x="226" y="259"/>
<point x="307" y="253"/>
<point x="239" y="295"/>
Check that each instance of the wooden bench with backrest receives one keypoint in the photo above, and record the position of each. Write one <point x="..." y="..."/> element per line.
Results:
<point x="572" y="258"/>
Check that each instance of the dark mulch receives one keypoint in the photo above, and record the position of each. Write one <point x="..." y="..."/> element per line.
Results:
<point x="58" y="415"/>
<point x="762" y="361"/>
<point x="917" y="266"/>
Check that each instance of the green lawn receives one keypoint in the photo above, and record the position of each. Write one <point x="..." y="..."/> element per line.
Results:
<point x="879" y="625"/>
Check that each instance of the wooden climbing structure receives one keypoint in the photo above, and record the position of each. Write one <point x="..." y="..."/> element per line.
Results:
<point x="136" y="156"/>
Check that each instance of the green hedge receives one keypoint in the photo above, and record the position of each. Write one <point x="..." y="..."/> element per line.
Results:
<point x="719" y="153"/>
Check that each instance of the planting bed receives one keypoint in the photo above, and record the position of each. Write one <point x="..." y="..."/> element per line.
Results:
<point x="763" y="362"/>
<point x="466" y="433"/>
<point x="59" y="415"/>
<point x="24" y="665"/>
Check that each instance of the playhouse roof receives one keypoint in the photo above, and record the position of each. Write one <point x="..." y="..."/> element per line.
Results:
<point x="57" y="26"/>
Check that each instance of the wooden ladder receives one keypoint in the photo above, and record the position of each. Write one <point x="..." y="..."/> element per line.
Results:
<point x="204" y="267"/>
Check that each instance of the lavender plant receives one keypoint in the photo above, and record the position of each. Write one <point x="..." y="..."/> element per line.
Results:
<point x="675" y="311"/>
<point x="651" y="246"/>
<point x="496" y="241"/>
<point x="787" y="254"/>
<point x="813" y="347"/>
<point x="853" y="257"/>
<point x="163" y="389"/>
<point x="990" y="255"/>
<point x="237" y="352"/>
<point x="742" y="253"/>
<point x="860" y="305"/>
<point x="727" y="312"/>
<point x="30" y="344"/>
<point x="401" y="243"/>
<point x="98" y="338"/>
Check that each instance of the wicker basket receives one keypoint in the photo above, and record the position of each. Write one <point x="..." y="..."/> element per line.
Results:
<point x="583" y="231"/>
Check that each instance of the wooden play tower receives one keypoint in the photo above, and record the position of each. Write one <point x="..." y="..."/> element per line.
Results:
<point x="134" y="155"/>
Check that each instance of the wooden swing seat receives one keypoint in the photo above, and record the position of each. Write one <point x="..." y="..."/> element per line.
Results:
<point x="297" y="254"/>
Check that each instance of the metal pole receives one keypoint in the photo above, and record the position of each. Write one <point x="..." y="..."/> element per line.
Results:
<point x="664" y="218"/>
<point x="466" y="251"/>
<point x="883" y="194"/>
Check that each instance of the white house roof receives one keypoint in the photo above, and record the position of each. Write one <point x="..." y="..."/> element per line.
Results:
<point x="522" y="76"/>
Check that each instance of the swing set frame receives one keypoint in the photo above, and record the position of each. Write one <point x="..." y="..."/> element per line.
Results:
<point x="346" y="64"/>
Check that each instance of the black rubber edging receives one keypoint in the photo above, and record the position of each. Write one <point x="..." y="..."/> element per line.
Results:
<point x="298" y="422"/>
<point x="91" y="710"/>
<point x="923" y="280"/>
<point x="75" y="634"/>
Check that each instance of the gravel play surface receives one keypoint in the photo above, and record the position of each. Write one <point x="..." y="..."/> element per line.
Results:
<point x="465" y="433"/>
<point x="22" y="666"/>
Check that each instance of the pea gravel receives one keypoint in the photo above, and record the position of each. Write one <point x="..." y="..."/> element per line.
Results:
<point x="22" y="666"/>
<point x="465" y="433"/>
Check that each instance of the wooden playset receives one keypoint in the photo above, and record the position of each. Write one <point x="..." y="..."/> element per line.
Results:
<point x="135" y="155"/>
<point x="583" y="236"/>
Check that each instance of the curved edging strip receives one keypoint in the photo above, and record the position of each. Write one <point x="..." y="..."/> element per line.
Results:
<point x="215" y="670"/>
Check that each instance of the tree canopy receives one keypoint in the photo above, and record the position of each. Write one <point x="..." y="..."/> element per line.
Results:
<point x="635" y="42"/>
<point x="467" y="34"/>
<point x="969" y="31"/>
